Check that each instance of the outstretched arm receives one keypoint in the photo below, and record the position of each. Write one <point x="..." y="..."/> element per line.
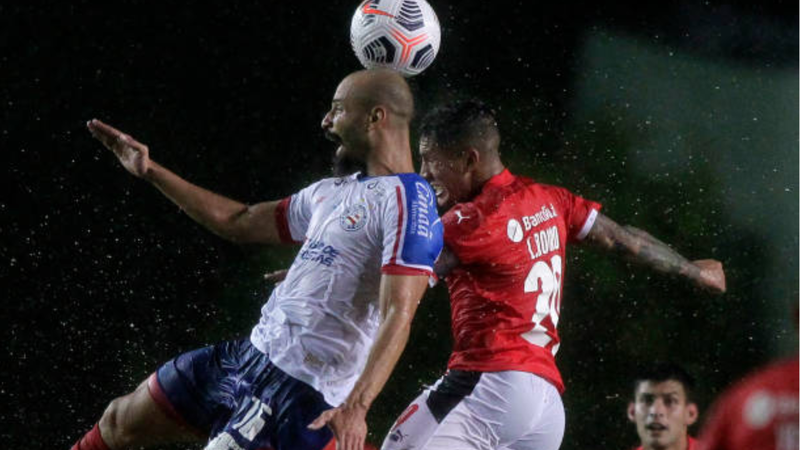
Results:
<point x="230" y="219"/>
<point x="641" y="247"/>
<point x="399" y="297"/>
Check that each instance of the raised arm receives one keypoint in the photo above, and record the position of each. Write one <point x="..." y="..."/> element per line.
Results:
<point x="230" y="219"/>
<point x="399" y="297"/>
<point x="640" y="247"/>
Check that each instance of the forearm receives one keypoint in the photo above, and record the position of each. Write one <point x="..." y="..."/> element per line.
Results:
<point x="391" y="340"/>
<point x="224" y="217"/>
<point x="641" y="248"/>
<point x="647" y="250"/>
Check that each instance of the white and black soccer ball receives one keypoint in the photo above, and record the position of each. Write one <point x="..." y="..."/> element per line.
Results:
<point x="402" y="35"/>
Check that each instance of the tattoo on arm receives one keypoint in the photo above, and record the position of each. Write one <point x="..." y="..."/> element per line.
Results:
<point x="640" y="247"/>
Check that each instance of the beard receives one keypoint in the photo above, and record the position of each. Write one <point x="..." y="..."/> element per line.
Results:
<point x="345" y="165"/>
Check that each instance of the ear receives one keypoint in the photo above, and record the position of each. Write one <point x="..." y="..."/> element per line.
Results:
<point x="631" y="412"/>
<point x="473" y="157"/>
<point x="691" y="413"/>
<point x="377" y="115"/>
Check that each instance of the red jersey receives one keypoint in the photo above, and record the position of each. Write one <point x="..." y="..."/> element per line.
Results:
<point x="505" y="295"/>
<point x="691" y="444"/>
<point x="758" y="413"/>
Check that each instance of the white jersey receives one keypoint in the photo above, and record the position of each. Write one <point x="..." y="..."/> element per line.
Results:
<point x="320" y="322"/>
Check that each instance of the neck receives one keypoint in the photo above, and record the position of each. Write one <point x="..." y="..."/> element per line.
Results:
<point x="391" y="153"/>
<point x="680" y="444"/>
<point x="487" y="171"/>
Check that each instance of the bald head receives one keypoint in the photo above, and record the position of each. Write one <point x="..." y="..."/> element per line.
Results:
<point x="383" y="87"/>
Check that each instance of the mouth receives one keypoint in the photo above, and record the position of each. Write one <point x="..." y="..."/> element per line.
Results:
<point x="656" y="427"/>
<point x="333" y="137"/>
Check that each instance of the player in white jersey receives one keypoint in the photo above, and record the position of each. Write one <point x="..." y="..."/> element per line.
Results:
<point x="331" y="334"/>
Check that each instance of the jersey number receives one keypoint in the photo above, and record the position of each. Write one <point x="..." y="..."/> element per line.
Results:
<point x="546" y="280"/>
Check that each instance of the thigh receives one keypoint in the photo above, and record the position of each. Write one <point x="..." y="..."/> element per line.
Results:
<point x="438" y="418"/>
<point x="137" y="420"/>
<point x="413" y="428"/>
<point x="545" y="430"/>
<point x="272" y="410"/>
<point x="474" y="411"/>
<point x="197" y="387"/>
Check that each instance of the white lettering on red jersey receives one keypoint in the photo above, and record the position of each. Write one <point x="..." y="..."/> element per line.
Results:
<point x="506" y="294"/>
<point x="320" y="322"/>
<point x="759" y="412"/>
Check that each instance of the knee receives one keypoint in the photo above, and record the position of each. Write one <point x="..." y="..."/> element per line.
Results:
<point x="115" y="430"/>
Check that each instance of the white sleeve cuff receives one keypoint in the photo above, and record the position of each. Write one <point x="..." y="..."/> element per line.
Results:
<point x="587" y="226"/>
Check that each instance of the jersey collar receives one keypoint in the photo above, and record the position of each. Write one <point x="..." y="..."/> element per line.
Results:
<point x="503" y="178"/>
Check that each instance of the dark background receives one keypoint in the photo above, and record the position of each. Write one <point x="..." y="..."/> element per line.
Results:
<point x="680" y="118"/>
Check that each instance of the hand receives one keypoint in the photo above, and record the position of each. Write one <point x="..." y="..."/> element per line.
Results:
<point x="348" y="424"/>
<point x="133" y="155"/>
<point x="276" y="277"/>
<point x="712" y="277"/>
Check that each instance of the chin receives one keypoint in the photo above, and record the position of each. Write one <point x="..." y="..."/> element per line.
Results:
<point x="343" y="165"/>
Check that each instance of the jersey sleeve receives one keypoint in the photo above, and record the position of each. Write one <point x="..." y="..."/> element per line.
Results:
<point x="580" y="213"/>
<point x="412" y="231"/>
<point x="293" y="214"/>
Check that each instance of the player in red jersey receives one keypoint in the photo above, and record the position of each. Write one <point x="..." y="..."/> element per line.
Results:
<point x="758" y="413"/>
<point x="663" y="408"/>
<point x="507" y="237"/>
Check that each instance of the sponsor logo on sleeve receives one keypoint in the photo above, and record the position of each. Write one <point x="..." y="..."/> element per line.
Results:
<point x="420" y="211"/>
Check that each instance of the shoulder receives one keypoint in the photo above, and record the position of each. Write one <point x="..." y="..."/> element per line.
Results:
<point x="777" y="376"/>
<point x="412" y="187"/>
<point x="411" y="182"/>
<point x="328" y="184"/>
<point x="551" y="189"/>
<point x="462" y="219"/>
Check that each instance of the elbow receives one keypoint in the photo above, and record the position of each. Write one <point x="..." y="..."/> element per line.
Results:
<point x="233" y="226"/>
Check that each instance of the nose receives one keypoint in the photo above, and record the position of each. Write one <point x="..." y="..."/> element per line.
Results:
<point x="326" y="121"/>
<point x="656" y="409"/>
<point x="424" y="171"/>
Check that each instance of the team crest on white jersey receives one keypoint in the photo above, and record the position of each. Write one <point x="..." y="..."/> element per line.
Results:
<point x="353" y="218"/>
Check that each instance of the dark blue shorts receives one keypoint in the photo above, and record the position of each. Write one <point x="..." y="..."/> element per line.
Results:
<point x="233" y="393"/>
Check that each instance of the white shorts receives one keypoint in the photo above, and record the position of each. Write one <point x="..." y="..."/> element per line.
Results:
<point x="473" y="410"/>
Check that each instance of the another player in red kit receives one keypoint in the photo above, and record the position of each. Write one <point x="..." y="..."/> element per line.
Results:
<point x="758" y="413"/>
<point x="507" y="237"/>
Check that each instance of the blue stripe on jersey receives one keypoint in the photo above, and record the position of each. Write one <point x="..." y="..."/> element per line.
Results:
<point x="423" y="229"/>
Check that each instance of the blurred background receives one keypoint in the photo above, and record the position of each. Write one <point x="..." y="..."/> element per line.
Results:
<point x="680" y="117"/>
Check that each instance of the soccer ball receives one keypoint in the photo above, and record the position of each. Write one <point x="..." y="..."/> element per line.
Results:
<point x="402" y="35"/>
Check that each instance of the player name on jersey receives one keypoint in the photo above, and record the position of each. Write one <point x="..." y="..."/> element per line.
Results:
<point x="543" y="242"/>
